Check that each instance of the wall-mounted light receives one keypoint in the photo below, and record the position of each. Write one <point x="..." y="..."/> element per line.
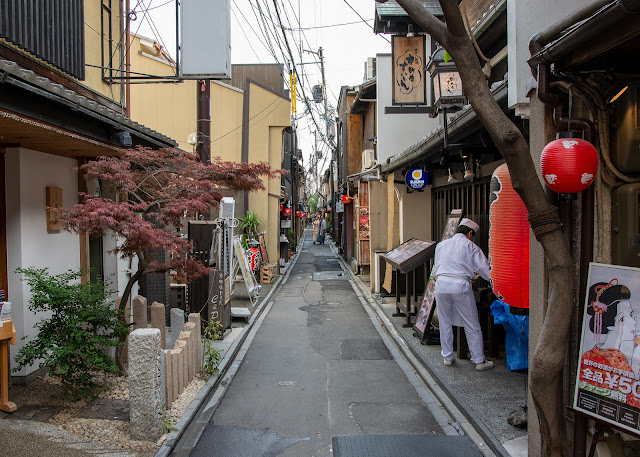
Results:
<point x="447" y="85"/>
<point x="468" y="172"/>
<point x="410" y="32"/>
<point x="452" y="179"/>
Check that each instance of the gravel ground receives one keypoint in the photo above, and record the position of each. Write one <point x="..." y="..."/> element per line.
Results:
<point x="69" y="430"/>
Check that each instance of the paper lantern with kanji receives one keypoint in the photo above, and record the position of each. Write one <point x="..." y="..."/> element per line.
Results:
<point x="286" y="212"/>
<point x="508" y="243"/>
<point x="569" y="165"/>
<point x="345" y="199"/>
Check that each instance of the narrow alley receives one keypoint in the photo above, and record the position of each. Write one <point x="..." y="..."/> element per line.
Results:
<point x="318" y="380"/>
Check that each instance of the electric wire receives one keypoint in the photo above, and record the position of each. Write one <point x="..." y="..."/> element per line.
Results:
<point x="363" y="20"/>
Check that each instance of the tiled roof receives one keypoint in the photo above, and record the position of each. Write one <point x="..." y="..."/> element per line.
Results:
<point x="8" y="67"/>
<point x="391" y="8"/>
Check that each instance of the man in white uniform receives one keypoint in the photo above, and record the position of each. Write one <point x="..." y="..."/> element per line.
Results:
<point x="458" y="261"/>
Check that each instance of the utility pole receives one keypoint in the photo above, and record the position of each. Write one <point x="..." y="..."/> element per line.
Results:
<point x="324" y="93"/>
<point x="203" y="117"/>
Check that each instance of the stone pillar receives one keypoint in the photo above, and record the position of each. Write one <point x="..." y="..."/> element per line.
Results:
<point x="145" y="394"/>
<point x="158" y="321"/>
<point x="186" y="337"/>
<point x="195" y="318"/>
<point x="183" y="355"/>
<point x="175" y="375"/>
<point x="191" y="328"/>
<point x="139" y="312"/>
<point x="168" y="378"/>
<point x="177" y="323"/>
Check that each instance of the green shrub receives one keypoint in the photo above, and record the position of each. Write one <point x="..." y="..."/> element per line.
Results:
<point x="73" y="342"/>
<point x="212" y="356"/>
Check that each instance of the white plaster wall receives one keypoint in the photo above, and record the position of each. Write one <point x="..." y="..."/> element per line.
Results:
<point x="117" y="270"/>
<point x="525" y="19"/>
<point x="396" y="132"/>
<point x="28" y="173"/>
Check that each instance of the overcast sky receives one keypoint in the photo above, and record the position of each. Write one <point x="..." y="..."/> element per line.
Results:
<point x="345" y="47"/>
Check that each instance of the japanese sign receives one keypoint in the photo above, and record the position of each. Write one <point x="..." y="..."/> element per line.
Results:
<point x="408" y="70"/>
<point x="608" y="378"/>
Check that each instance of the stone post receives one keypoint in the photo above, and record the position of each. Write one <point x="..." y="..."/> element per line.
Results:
<point x="139" y="312"/>
<point x="168" y="378"/>
<point x="186" y="337"/>
<point x="158" y="321"/>
<point x="175" y="375"/>
<point x="183" y="355"/>
<point x="195" y="318"/>
<point x="177" y="323"/>
<point x="191" y="328"/>
<point x="145" y="395"/>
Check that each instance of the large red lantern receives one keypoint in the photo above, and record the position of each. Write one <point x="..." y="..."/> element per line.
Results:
<point x="508" y="243"/>
<point x="286" y="212"/>
<point x="345" y="199"/>
<point x="569" y="165"/>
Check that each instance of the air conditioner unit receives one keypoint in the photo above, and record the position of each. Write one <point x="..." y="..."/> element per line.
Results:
<point x="370" y="68"/>
<point x="368" y="159"/>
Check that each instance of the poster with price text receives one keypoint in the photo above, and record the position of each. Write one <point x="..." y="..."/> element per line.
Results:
<point x="608" y="379"/>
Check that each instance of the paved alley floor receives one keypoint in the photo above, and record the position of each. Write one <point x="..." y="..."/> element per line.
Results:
<point x="316" y="369"/>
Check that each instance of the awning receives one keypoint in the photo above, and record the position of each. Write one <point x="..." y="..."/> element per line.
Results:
<point x="391" y="18"/>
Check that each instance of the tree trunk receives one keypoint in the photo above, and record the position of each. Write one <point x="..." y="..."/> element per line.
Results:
<point x="546" y="367"/>
<point x="120" y="350"/>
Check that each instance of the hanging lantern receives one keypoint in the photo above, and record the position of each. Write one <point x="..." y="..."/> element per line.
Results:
<point x="508" y="243"/>
<point x="280" y="208"/>
<point x="345" y="199"/>
<point x="569" y="165"/>
<point x="286" y="212"/>
<point x="328" y="209"/>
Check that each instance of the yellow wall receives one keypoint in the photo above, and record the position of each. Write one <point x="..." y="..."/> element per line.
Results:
<point x="226" y="122"/>
<point x="169" y="108"/>
<point x="269" y="115"/>
<point x="92" y="43"/>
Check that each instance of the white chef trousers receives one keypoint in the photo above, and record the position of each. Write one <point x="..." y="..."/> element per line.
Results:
<point x="457" y="305"/>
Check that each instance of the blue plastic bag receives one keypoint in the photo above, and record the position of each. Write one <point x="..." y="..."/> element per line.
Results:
<point x="517" y="341"/>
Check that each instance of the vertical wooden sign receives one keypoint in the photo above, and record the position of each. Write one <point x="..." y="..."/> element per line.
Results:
<point x="409" y="76"/>
<point x="53" y="200"/>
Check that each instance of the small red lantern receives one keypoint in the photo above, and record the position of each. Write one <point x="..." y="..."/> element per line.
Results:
<point x="345" y="199"/>
<point x="569" y="165"/>
<point x="280" y="208"/>
<point x="328" y="209"/>
<point x="286" y="212"/>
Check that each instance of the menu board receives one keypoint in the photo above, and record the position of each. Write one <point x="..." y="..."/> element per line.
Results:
<point x="410" y="254"/>
<point x="425" y="314"/>
<point x="608" y="378"/>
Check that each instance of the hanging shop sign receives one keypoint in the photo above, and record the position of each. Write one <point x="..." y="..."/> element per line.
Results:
<point x="608" y="379"/>
<point x="416" y="179"/>
<point x="409" y="86"/>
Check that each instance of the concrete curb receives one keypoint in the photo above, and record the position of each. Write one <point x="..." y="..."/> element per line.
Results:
<point x="207" y="393"/>
<point x="455" y="406"/>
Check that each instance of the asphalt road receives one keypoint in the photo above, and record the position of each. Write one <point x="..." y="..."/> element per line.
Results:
<point x="317" y="368"/>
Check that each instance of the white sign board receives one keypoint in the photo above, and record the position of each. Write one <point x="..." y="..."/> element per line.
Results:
<point x="205" y="39"/>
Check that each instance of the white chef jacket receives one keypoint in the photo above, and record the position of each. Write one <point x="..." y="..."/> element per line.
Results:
<point x="459" y="258"/>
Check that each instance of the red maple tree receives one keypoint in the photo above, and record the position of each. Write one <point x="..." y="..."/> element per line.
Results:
<point x="156" y="189"/>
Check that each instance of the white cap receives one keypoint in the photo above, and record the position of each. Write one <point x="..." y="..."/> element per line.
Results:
<point x="469" y="223"/>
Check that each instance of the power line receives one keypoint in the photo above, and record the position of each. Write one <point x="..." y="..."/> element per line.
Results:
<point x="326" y="26"/>
<point x="363" y="20"/>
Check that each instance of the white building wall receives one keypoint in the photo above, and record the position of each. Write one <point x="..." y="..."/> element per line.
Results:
<point x="525" y="19"/>
<point x="28" y="173"/>
<point x="396" y="132"/>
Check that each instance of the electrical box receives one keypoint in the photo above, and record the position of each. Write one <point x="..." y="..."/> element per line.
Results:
<point x="626" y="225"/>
<point x="625" y="150"/>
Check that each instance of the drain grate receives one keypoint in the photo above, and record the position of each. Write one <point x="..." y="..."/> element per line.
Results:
<point x="404" y="446"/>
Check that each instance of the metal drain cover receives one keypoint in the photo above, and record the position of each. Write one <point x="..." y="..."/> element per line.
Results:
<point x="404" y="446"/>
<point x="330" y="275"/>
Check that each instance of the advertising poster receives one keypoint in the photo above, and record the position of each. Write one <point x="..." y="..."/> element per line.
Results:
<point x="608" y="378"/>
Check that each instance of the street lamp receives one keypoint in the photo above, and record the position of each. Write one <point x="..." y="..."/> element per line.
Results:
<point x="447" y="85"/>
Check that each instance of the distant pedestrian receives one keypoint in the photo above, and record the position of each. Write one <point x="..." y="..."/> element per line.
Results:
<point x="458" y="262"/>
<point x="322" y="228"/>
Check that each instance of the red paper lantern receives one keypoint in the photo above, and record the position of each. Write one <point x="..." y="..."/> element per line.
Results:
<point x="345" y="199"/>
<point x="569" y="165"/>
<point x="508" y="243"/>
<point x="280" y="208"/>
<point x="286" y="212"/>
